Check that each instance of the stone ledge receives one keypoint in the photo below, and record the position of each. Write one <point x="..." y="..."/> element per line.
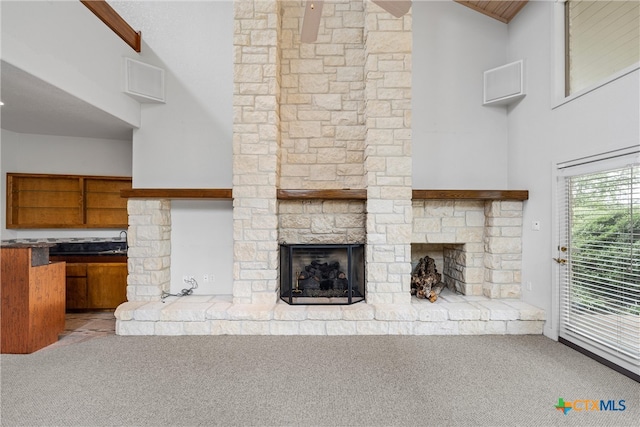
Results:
<point x="209" y="315"/>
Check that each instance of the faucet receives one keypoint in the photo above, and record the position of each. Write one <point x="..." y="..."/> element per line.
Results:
<point x="125" y="235"/>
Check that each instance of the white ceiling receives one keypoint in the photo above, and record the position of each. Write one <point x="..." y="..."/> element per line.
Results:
<point x="34" y="106"/>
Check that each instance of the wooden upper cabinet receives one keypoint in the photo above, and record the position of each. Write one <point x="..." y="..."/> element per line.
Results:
<point x="66" y="201"/>
<point x="103" y="205"/>
<point x="39" y="200"/>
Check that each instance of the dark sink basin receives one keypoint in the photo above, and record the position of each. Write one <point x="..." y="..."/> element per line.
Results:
<point x="89" y="248"/>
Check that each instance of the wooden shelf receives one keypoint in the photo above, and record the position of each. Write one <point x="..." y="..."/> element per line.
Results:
<point x="360" y="194"/>
<point x="355" y="194"/>
<point x="177" y="193"/>
<point x="471" y="194"/>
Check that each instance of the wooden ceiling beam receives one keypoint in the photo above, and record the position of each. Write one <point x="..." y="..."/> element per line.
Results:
<point x="113" y="20"/>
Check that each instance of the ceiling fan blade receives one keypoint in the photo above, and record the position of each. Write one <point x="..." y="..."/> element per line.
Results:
<point x="311" y="21"/>
<point x="395" y="7"/>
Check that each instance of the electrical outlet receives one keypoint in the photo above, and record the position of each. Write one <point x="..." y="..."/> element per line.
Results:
<point x="535" y="225"/>
<point x="529" y="286"/>
<point x="209" y="278"/>
<point x="187" y="278"/>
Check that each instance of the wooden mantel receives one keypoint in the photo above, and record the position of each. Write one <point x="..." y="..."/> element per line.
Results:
<point x="471" y="194"/>
<point x="348" y="194"/>
<point x="177" y="193"/>
<point x="359" y="194"/>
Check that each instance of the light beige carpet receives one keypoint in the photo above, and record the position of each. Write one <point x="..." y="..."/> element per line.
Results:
<point x="314" y="381"/>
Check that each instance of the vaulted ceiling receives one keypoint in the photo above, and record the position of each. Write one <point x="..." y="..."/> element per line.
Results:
<point x="503" y="11"/>
<point x="34" y="107"/>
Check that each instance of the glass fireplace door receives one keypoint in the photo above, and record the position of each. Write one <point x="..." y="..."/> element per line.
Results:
<point x="322" y="274"/>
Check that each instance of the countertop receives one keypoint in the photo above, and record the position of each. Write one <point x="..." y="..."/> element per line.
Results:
<point x="10" y="244"/>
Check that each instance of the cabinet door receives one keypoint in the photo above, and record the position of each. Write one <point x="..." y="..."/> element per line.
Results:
<point x="107" y="285"/>
<point x="44" y="201"/>
<point x="103" y="204"/>
<point x="76" y="293"/>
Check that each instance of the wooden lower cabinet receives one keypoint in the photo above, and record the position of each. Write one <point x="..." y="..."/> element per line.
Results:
<point x="96" y="286"/>
<point x="106" y="285"/>
<point x="76" y="295"/>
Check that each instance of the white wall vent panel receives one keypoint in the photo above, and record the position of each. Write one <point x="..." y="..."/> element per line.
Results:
<point x="143" y="82"/>
<point x="504" y="85"/>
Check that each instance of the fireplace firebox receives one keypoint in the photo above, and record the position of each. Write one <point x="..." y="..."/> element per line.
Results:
<point x="323" y="274"/>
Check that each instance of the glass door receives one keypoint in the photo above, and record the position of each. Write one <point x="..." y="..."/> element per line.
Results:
<point x="599" y="261"/>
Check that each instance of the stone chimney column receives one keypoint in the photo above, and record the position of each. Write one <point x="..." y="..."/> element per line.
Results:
<point x="388" y="47"/>
<point x="255" y="151"/>
<point x="149" y="253"/>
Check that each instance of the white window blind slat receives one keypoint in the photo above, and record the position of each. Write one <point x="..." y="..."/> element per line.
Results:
<point x="609" y="26"/>
<point x="603" y="39"/>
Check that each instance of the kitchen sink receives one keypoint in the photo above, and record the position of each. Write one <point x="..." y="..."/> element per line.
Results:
<point x="89" y="248"/>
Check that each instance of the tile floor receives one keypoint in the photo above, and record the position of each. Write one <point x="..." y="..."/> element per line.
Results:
<point x="81" y="327"/>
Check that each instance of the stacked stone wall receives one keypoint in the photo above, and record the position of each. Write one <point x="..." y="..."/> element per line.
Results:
<point x="322" y="99"/>
<point x="503" y="249"/>
<point x="149" y="249"/>
<point x="255" y="151"/>
<point x="388" y="49"/>
<point x="321" y="221"/>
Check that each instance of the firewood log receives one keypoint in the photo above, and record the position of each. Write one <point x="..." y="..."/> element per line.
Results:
<point x="426" y="282"/>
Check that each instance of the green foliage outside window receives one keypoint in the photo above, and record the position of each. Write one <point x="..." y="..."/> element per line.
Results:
<point x="605" y="242"/>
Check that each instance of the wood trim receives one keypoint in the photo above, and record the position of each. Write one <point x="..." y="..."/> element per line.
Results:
<point x="471" y="194"/>
<point x="113" y="20"/>
<point x="360" y="194"/>
<point x="357" y="194"/>
<point x="177" y="193"/>
<point x="503" y="11"/>
<point x="64" y="175"/>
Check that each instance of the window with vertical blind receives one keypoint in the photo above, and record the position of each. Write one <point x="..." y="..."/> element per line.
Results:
<point x="602" y="38"/>
<point x="599" y="257"/>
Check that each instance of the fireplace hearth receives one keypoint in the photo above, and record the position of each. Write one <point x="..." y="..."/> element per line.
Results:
<point x="327" y="274"/>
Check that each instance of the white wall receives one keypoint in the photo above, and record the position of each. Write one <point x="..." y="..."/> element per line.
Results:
<point x="202" y="243"/>
<point x="28" y="153"/>
<point x="63" y="43"/>
<point x="457" y="143"/>
<point x="187" y="142"/>
<point x="540" y="136"/>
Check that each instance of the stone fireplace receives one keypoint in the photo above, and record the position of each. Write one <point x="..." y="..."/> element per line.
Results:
<point x="330" y="123"/>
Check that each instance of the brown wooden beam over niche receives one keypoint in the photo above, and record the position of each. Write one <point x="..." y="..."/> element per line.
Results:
<point x="336" y="194"/>
<point x="360" y="194"/>
<point x="113" y="20"/>
<point x="471" y="194"/>
<point x="177" y="193"/>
